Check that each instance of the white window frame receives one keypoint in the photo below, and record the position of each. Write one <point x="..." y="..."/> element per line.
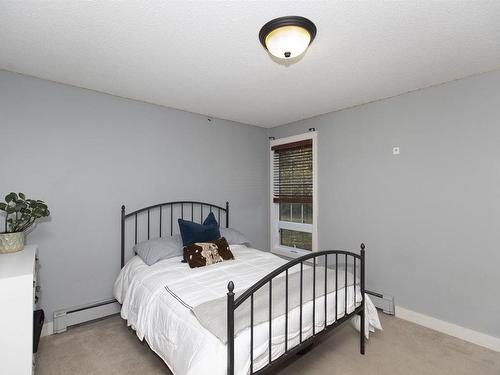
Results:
<point x="275" y="223"/>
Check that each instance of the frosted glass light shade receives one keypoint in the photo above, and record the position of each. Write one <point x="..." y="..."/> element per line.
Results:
<point x="288" y="41"/>
<point x="287" y="37"/>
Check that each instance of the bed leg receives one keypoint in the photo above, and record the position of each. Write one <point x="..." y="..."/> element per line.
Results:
<point x="362" y="312"/>
<point x="362" y="332"/>
<point x="230" y="329"/>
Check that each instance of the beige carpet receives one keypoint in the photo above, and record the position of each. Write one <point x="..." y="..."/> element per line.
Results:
<point x="403" y="348"/>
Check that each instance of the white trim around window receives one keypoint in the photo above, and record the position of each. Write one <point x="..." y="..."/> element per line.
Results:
<point x="275" y="223"/>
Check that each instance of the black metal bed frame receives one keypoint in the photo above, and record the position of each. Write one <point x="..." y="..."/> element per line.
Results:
<point x="233" y="304"/>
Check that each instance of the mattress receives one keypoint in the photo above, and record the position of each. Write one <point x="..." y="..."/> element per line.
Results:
<point x="172" y="331"/>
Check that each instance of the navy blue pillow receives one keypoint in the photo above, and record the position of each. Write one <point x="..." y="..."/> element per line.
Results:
<point x="210" y="220"/>
<point x="192" y="232"/>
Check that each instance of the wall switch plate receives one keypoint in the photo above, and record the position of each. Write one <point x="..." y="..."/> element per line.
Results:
<point x="395" y="150"/>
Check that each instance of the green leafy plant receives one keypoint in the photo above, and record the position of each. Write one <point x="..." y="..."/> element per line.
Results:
<point x="21" y="213"/>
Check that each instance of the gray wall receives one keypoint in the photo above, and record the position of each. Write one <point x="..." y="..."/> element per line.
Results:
<point x="87" y="153"/>
<point x="430" y="217"/>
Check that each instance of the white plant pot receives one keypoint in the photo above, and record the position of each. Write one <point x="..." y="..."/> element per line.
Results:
<point x="11" y="242"/>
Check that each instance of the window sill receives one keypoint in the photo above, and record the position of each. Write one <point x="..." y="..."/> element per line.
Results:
<point x="289" y="252"/>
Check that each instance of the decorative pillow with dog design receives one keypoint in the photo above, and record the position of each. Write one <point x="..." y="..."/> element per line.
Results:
<point x="202" y="254"/>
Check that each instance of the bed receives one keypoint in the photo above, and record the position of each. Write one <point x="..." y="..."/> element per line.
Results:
<point x="242" y="316"/>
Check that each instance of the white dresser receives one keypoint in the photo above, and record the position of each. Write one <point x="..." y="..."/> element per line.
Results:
<point x="17" y="299"/>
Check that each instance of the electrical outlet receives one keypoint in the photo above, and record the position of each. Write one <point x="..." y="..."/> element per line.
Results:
<point x="395" y="150"/>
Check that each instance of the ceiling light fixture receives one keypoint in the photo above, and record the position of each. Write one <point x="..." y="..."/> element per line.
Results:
<point x="287" y="37"/>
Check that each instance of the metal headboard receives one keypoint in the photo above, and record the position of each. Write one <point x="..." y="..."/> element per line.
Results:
<point x="187" y="211"/>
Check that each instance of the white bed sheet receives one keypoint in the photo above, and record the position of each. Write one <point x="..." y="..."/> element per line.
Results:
<point x="174" y="333"/>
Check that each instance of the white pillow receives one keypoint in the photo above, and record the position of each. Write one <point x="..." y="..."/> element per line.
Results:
<point x="151" y="251"/>
<point x="234" y="237"/>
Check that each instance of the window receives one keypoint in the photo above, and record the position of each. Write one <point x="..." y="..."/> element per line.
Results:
<point x="293" y="195"/>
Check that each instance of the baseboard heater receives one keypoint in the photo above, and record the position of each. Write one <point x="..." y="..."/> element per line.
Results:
<point x="84" y="313"/>
<point x="382" y="301"/>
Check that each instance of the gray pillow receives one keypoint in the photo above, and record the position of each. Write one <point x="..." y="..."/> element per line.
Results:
<point x="151" y="251"/>
<point x="234" y="237"/>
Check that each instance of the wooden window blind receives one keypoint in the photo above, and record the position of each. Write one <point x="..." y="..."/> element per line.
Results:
<point x="293" y="172"/>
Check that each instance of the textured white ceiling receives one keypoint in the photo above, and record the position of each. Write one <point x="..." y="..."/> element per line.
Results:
<point x="205" y="56"/>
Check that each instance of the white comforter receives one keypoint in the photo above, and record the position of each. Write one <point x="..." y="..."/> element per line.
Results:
<point x="174" y="333"/>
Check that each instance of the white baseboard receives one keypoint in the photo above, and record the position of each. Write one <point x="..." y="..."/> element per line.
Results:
<point x="442" y="326"/>
<point x="451" y="329"/>
<point x="48" y="329"/>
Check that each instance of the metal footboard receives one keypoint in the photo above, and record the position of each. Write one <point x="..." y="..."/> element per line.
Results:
<point x="315" y="260"/>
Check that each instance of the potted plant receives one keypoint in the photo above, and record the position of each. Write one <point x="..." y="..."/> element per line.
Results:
<point x="21" y="214"/>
